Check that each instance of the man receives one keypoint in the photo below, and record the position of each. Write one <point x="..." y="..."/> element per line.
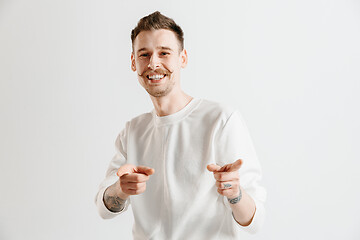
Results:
<point x="188" y="167"/>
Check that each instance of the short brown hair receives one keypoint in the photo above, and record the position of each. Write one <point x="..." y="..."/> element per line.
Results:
<point x="157" y="21"/>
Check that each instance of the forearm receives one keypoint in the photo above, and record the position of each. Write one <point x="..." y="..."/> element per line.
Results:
<point x="114" y="199"/>
<point x="244" y="209"/>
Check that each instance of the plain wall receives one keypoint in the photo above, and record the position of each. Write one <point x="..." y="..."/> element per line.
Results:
<point x="66" y="91"/>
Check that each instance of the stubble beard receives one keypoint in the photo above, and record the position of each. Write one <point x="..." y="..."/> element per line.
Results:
<point x="165" y="90"/>
<point x="162" y="90"/>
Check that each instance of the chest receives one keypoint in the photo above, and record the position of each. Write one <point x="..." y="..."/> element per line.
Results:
<point x="179" y="151"/>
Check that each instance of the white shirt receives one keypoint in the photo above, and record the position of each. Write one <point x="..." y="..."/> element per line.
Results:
<point x="181" y="200"/>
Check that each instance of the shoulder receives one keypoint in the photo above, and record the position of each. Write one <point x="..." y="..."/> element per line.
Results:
<point x="142" y="118"/>
<point x="216" y="110"/>
<point x="217" y="107"/>
<point x="140" y="121"/>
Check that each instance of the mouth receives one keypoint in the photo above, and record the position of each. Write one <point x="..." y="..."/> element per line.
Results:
<point x="155" y="78"/>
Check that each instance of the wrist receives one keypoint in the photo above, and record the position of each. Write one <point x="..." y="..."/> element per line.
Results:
<point x="122" y="195"/>
<point x="119" y="192"/>
<point x="115" y="190"/>
<point x="236" y="199"/>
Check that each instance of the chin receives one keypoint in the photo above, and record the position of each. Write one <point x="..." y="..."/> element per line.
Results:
<point x="159" y="92"/>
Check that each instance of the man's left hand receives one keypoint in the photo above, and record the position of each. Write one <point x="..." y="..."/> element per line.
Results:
<point x="227" y="178"/>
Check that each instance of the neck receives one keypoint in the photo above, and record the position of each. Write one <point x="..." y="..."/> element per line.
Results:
<point x="170" y="103"/>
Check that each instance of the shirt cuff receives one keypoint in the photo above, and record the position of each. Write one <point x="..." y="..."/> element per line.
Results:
<point x="257" y="221"/>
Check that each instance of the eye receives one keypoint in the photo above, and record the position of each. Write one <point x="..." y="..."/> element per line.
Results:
<point x="144" y="55"/>
<point x="164" y="53"/>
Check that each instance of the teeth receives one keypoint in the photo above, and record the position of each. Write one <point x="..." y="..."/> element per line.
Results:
<point x="156" y="77"/>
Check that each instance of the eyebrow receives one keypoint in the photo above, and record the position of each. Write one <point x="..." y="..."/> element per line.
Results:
<point x="160" y="47"/>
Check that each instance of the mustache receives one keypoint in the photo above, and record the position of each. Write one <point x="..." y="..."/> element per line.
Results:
<point x="159" y="71"/>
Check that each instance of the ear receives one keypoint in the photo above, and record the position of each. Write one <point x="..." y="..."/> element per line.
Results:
<point x="184" y="58"/>
<point x="133" y="66"/>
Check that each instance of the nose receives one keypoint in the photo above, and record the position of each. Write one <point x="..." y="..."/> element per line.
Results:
<point x="154" y="62"/>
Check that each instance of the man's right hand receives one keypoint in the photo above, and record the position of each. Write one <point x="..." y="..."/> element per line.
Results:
<point x="132" y="181"/>
<point x="133" y="178"/>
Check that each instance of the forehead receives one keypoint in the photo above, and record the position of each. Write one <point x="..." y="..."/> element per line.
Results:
<point x="155" y="39"/>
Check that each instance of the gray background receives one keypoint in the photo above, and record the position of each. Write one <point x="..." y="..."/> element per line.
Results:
<point x="66" y="90"/>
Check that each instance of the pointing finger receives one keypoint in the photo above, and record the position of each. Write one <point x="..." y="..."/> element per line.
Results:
<point x="145" y="170"/>
<point x="232" y="167"/>
<point x="134" y="178"/>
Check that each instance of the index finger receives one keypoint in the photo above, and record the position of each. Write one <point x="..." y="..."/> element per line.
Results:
<point x="135" y="177"/>
<point x="231" y="167"/>
<point x="145" y="170"/>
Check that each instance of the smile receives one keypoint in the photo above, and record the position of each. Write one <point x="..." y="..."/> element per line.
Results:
<point x="156" y="77"/>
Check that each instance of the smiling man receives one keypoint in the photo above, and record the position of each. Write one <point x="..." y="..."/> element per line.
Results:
<point x="188" y="168"/>
<point x="158" y="57"/>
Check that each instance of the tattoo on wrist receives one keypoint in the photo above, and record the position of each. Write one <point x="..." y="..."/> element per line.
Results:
<point x="237" y="199"/>
<point x="114" y="203"/>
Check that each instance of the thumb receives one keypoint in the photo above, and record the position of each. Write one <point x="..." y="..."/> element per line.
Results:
<point x="145" y="170"/>
<point x="126" y="169"/>
<point x="213" y="167"/>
